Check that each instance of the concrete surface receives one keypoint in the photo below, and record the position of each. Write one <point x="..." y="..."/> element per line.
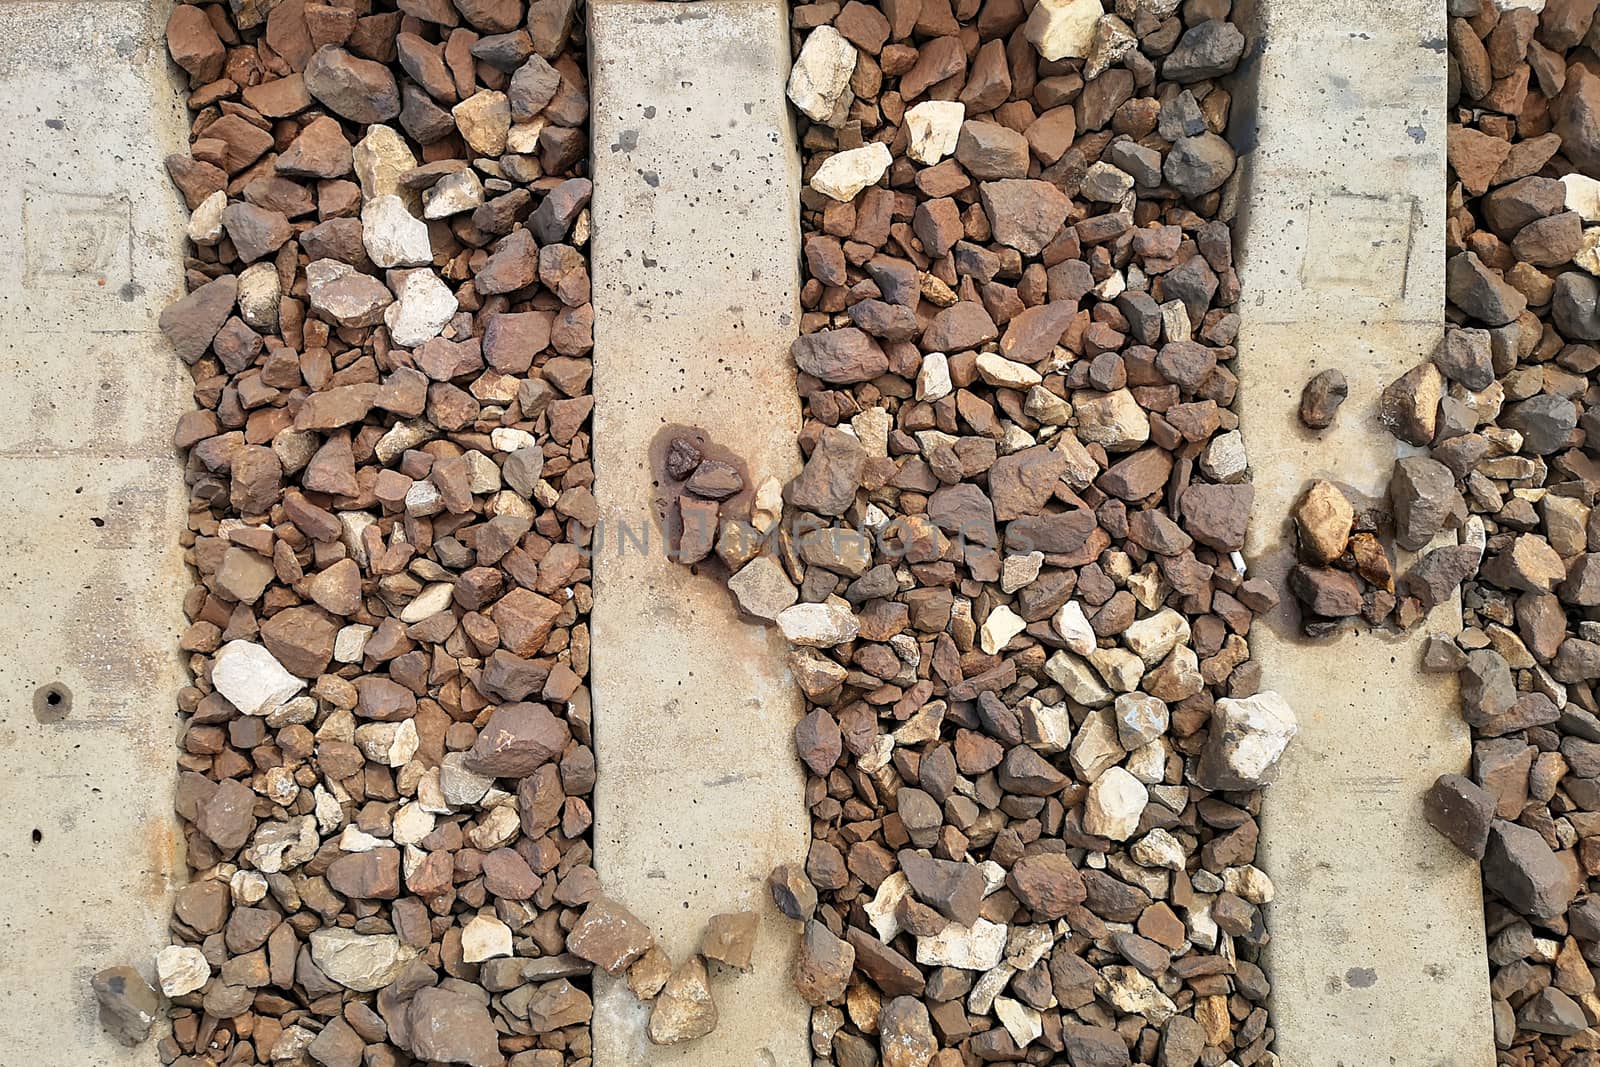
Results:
<point x="91" y="503"/>
<point x="695" y="260"/>
<point x="1377" y="954"/>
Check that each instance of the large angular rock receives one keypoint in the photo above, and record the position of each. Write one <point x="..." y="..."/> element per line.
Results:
<point x="1480" y="291"/>
<point x="1247" y="738"/>
<point x="684" y="1009"/>
<point x="1533" y="880"/>
<point x="252" y="678"/>
<point x="609" y="936"/>
<point x="1461" y="810"/>
<point x="819" y="81"/>
<point x="1422" y="493"/>
<point x="822" y="965"/>
<point x="192" y="322"/>
<point x="1063" y="29"/>
<point x="517" y="740"/>
<point x="451" y="1027"/>
<point x="356" y="89"/>
<point x="362" y="962"/>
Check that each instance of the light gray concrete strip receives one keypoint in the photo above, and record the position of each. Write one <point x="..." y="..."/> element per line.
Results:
<point x="695" y="260"/>
<point x="1378" y="945"/>
<point x="91" y="504"/>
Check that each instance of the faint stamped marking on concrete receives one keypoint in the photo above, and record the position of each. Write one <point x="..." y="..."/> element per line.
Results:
<point x="78" y="239"/>
<point x="1358" y="244"/>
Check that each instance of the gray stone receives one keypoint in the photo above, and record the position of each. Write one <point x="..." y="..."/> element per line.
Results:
<point x="1533" y="880"/>
<point x="1199" y="165"/>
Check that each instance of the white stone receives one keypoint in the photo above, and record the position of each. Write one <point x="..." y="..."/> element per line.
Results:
<point x="1047" y="728"/>
<point x="260" y="295"/>
<point x="509" y="439"/>
<point x="1503" y="6"/>
<point x="523" y="137"/>
<point x="1249" y="883"/>
<point x="453" y="194"/>
<point x="818" y="625"/>
<point x="1160" y="849"/>
<point x="1247" y="738"/>
<point x="423" y="499"/>
<point x="1062" y="29"/>
<point x="462" y="788"/>
<point x="380" y="158"/>
<point x="1175" y="325"/>
<point x="933" y="378"/>
<point x="880" y="910"/>
<point x="205" y="222"/>
<point x="844" y="174"/>
<point x="424" y="306"/>
<point x="355" y="839"/>
<point x="283" y="845"/>
<point x="389" y="743"/>
<point x="990" y="984"/>
<point x="1095" y="748"/>
<point x="923" y="726"/>
<point x="1588" y="254"/>
<point x="328" y="813"/>
<point x="819" y="82"/>
<point x="1021" y="1022"/>
<point x="392" y="235"/>
<point x="978" y="947"/>
<point x="1224" y="459"/>
<point x="1019" y="571"/>
<point x="362" y="962"/>
<point x="872" y="430"/>
<point x="485" y="938"/>
<point x="1152" y="637"/>
<point x="999" y="628"/>
<point x="1046" y="407"/>
<point x="768" y="506"/>
<point x="483" y="474"/>
<point x="1078" y="679"/>
<point x="1121" y="669"/>
<point x="181" y="969"/>
<point x="433" y="599"/>
<point x="763" y="588"/>
<point x="1129" y="991"/>
<point x="1074" y="628"/>
<point x="1003" y="373"/>
<point x="1027" y="945"/>
<point x="252" y="678"/>
<point x="1114" y="420"/>
<point x="497" y="828"/>
<point x="1114" y="804"/>
<point x="1140" y="719"/>
<point x="933" y="127"/>
<point x="350" y="643"/>
<point x="1583" y="196"/>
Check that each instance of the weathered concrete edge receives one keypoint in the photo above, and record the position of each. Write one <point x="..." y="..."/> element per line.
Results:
<point x="1465" y="1023"/>
<point x="763" y="1020"/>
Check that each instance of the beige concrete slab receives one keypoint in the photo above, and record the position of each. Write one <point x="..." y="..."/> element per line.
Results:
<point x="696" y="290"/>
<point x="1377" y="954"/>
<point x="91" y="504"/>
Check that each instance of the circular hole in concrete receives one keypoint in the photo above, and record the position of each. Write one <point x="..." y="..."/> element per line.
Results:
<point x="38" y="836"/>
<point x="52" y="702"/>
